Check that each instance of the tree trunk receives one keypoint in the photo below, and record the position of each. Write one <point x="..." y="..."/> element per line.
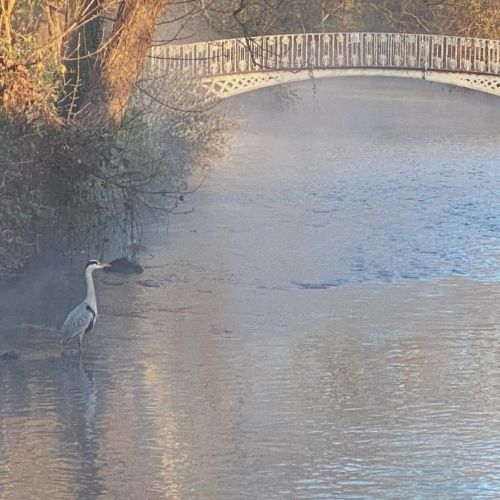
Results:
<point x="120" y="63"/>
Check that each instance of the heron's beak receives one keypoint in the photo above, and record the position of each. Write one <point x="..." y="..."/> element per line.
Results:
<point x="106" y="264"/>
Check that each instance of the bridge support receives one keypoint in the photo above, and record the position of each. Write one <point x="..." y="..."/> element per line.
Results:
<point x="229" y="85"/>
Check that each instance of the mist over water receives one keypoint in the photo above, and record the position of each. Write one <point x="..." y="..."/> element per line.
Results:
<point x="324" y="324"/>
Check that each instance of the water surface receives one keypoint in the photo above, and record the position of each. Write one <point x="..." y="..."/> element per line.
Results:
<point x="324" y="324"/>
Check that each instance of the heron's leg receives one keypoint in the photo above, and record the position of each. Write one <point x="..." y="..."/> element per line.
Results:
<point x="80" y="342"/>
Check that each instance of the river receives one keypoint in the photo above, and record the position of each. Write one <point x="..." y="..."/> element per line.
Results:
<point x="322" y="322"/>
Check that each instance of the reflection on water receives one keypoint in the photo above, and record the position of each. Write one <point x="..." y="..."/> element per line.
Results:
<point x="325" y="324"/>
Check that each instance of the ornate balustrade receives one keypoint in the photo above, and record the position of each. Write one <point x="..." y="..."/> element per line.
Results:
<point x="331" y="51"/>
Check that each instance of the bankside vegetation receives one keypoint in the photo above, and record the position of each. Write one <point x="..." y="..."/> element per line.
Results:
<point x="87" y="144"/>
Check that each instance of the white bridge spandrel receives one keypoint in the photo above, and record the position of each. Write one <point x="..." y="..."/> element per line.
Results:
<point x="315" y="51"/>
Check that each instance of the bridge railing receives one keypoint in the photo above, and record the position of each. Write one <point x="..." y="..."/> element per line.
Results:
<point x="295" y="52"/>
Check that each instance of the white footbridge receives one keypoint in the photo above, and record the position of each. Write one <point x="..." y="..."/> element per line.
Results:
<point x="229" y="67"/>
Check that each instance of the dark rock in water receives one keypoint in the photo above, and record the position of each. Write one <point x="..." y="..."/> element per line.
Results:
<point x="9" y="355"/>
<point x="124" y="266"/>
<point x="317" y="286"/>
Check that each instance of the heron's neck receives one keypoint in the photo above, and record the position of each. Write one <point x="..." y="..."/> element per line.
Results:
<point x="90" y="289"/>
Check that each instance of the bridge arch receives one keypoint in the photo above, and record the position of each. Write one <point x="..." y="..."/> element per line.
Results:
<point x="234" y="66"/>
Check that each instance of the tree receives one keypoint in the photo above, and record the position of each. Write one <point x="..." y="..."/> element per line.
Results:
<point x="479" y="18"/>
<point x="68" y="34"/>
<point x="78" y="158"/>
<point x="120" y="60"/>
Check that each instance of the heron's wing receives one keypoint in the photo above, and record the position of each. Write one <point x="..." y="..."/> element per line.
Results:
<point x="79" y="320"/>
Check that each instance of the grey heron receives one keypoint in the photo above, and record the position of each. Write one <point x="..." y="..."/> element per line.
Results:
<point x="83" y="317"/>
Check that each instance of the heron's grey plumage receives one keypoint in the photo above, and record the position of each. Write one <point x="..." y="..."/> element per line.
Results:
<point x="79" y="321"/>
<point x="83" y="317"/>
